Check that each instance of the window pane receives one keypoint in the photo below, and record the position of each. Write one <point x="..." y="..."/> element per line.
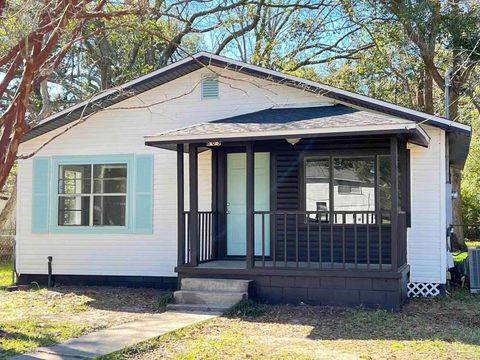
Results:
<point x="110" y="178"/>
<point x="349" y="189"/>
<point x="74" y="179"/>
<point x="384" y="183"/>
<point x="73" y="210"/>
<point x="109" y="210"/>
<point x="317" y="178"/>
<point x="354" y="181"/>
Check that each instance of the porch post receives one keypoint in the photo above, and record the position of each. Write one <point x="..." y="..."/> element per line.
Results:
<point x="193" y="216"/>
<point x="402" y="219"/>
<point x="394" y="199"/>
<point x="214" y="206"/>
<point x="180" y="207"/>
<point x="250" y="206"/>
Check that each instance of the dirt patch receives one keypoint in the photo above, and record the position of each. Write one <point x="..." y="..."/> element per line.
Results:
<point x="29" y="319"/>
<point x="439" y="328"/>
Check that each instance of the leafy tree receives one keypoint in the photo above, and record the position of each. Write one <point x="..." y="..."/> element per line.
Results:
<point x="36" y="36"/>
<point x="436" y="36"/>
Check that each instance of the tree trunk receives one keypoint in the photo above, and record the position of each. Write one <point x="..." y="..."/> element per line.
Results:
<point x="428" y="93"/>
<point x="105" y="55"/>
<point x="421" y="93"/>
<point x="9" y="210"/>
<point x="47" y="108"/>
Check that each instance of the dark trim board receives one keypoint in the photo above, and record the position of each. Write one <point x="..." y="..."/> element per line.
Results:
<point x="156" y="282"/>
<point x="386" y="290"/>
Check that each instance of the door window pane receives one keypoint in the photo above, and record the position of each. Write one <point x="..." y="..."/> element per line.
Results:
<point x="73" y="210"/>
<point x="109" y="210"/>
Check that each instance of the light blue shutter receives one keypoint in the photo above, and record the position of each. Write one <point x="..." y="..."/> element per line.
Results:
<point x="40" y="191"/>
<point x="143" y="215"/>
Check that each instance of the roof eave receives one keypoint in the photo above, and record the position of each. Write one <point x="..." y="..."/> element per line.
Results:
<point x="415" y="134"/>
<point x="194" y="62"/>
<point x="342" y="95"/>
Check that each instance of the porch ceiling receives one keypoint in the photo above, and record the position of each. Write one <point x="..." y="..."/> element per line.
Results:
<point x="304" y="122"/>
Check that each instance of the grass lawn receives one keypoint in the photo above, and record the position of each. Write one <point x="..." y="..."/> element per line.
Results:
<point x="5" y="273"/>
<point x="29" y="319"/>
<point x="438" y="328"/>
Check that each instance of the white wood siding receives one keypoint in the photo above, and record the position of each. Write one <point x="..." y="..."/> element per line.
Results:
<point x="121" y="132"/>
<point x="427" y="236"/>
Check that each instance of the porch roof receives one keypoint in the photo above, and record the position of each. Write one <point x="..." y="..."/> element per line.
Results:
<point x="300" y="122"/>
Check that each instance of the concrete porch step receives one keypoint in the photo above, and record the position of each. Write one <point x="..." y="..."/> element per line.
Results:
<point x="209" y="295"/>
<point x="224" y="298"/>
<point x="223" y="285"/>
<point x="199" y="308"/>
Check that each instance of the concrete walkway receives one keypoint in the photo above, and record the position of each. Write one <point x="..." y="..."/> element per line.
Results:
<point x="116" y="338"/>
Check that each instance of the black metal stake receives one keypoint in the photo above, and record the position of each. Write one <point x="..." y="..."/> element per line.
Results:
<point x="50" y="280"/>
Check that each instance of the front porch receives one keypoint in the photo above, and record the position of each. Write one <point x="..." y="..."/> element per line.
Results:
<point x="285" y="234"/>
<point x="312" y="217"/>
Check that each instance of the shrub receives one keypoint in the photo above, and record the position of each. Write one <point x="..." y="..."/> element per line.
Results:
<point x="248" y="307"/>
<point x="165" y="299"/>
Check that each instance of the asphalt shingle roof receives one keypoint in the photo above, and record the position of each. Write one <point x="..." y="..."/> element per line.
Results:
<point x="277" y="119"/>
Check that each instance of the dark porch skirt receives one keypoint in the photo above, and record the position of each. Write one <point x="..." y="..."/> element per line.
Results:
<point x="156" y="282"/>
<point x="371" y="289"/>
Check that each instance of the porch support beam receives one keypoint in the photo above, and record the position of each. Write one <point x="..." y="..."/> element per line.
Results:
<point x="394" y="199"/>
<point x="403" y="203"/>
<point x="193" y="216"/>
<point x="250" y="261"/>
<point x="180" y="207"/>
<point x="214" y="206"/>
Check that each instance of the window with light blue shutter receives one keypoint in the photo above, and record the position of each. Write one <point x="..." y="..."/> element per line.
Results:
<point x="143" y="217"/>
<point x="209" y="87"/>
<point x="40" y="193"/>
<point x="101" y="194"/>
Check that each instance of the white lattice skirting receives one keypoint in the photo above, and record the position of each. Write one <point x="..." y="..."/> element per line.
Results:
<point x="416" y="289"/>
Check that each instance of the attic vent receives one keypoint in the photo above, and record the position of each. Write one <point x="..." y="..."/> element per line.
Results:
<point x="210" y="87"/>
<point x="474" y="265"/>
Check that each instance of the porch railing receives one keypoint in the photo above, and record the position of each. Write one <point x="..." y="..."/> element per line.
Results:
<point x="205" y="224"/>
<point x="323" y="240"/>
<point x="340" y="240"/>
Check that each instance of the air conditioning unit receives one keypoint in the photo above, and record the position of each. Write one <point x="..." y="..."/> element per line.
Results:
<point x="474" y="272"/>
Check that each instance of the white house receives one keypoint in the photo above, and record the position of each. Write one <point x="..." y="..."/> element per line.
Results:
<point x="210" y="167"/>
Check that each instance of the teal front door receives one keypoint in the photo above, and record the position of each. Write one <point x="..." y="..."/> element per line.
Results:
<point x="237" y="203"/>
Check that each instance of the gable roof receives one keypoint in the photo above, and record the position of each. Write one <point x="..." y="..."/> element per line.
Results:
<point x="458" y="134"/>
<point x="303" y="122"/>
<point x="201" y="59"/>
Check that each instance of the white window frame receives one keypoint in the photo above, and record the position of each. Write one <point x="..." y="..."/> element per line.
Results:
<point x="91" y="195"/>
